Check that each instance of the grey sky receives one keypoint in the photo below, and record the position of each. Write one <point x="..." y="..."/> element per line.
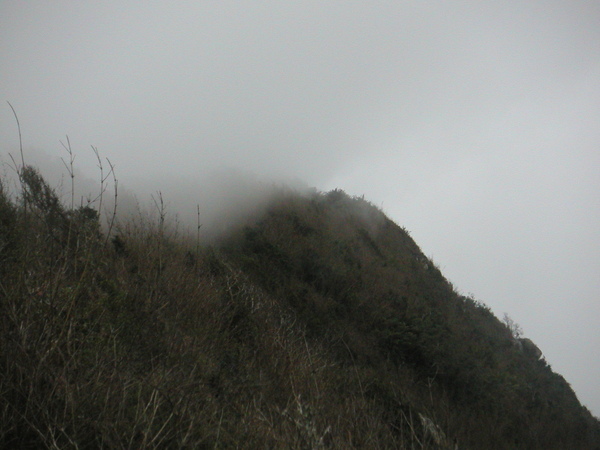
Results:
<point x="474" y="124"/>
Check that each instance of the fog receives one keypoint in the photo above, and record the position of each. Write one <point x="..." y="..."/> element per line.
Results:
<point x="475" y="125"/>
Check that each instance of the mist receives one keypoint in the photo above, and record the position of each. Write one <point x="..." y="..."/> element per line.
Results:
<point x="475" y="125"/>
<point x="207" y="206"/>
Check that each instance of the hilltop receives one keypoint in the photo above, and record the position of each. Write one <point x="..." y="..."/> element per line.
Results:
<point x="317" y="323"/>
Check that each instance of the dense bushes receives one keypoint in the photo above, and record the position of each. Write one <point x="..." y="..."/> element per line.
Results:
<point x="361" y="284"/>
<point x="319" y="324"/>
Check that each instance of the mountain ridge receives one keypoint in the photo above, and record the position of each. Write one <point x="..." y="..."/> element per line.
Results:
<point x="318" y="323"/>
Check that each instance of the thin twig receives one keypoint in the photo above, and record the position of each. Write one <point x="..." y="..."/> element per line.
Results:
<point x="70" y="169"/>
<point x="103" y="178"/>
<point x="17" y="169"/>
<point x="198" y="232"/>
<point x="20" y="138"/>
<point x="114" y="214"/>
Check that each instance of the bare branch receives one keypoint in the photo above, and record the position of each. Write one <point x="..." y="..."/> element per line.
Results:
<point x="20" y="138"/>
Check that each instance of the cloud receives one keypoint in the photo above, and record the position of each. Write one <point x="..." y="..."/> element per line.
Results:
<point x="475" y="124"/>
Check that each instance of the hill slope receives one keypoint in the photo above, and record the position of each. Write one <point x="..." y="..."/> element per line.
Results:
<point x="319" y="324"/>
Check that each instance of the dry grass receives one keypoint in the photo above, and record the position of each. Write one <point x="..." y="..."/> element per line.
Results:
<point x="319" y="325"/>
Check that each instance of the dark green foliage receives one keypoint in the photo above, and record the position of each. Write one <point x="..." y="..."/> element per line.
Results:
<point x="8" y="231"/>
<point x="318" y="325"/>
<point x="361" y="284"/>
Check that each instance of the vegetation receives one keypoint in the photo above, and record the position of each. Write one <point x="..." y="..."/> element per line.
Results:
<point x="319" y="324"/>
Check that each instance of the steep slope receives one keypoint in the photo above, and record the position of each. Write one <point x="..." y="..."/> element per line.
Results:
<point x="319" y="324"/>
<point x="359" y="283"/>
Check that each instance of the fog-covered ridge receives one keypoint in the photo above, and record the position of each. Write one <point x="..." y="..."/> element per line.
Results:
<point x="316" y="322"/>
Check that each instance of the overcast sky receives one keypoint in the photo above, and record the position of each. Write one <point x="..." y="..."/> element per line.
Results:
<point x="474" y="124"/>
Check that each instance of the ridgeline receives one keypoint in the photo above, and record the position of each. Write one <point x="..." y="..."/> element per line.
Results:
<point x="317" y="324"/>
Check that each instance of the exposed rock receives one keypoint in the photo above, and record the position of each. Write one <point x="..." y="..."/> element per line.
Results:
<point x="529" y="348"/>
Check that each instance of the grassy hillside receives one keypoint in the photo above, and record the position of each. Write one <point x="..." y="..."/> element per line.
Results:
<point x="319" y="324"/>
